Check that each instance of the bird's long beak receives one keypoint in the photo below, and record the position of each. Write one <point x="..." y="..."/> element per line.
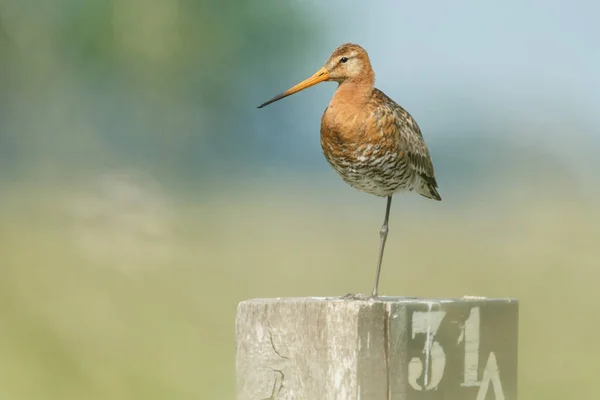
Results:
<point x="320" y="76"/>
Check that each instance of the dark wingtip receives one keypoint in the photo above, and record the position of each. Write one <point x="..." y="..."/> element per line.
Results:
<point x="428" y="188"/>
<point x="435" y="194"/>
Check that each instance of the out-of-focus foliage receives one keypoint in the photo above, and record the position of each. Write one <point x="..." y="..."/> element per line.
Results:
<point x="162" y="83"/>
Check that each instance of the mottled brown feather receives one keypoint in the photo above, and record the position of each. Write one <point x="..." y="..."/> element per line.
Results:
<point x="408" y="133"/>
<point x="374" y="144"/>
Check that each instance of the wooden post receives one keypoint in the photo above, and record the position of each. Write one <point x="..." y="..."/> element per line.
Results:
<point x="390" y="348"/>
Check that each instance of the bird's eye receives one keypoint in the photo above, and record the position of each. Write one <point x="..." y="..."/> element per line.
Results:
<point x="343" y="59"/>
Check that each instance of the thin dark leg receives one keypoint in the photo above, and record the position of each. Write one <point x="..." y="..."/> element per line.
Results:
<point x="383" y="234"/>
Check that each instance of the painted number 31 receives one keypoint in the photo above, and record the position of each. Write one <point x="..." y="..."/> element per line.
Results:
<point x="427" y="323"/>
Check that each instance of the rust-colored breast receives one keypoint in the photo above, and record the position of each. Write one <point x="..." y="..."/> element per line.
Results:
<point x="376" y="146"/>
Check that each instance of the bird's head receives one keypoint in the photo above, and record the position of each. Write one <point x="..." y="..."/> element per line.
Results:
<point x="348" y="63"/>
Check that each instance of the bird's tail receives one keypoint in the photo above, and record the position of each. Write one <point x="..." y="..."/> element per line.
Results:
<point x="427" y="187"/>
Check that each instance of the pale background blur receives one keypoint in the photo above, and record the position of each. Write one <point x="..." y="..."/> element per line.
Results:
<point x="143" y="195"/>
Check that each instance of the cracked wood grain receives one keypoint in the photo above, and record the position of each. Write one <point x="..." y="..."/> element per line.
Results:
<point x="356" y="348"/>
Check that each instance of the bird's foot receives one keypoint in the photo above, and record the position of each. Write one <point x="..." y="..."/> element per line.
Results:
<point x="357" y="296"/>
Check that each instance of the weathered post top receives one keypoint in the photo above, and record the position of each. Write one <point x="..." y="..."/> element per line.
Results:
<point x="388" y="348"/>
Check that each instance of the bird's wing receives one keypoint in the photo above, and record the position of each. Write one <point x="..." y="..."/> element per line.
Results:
<point x="412" y="143"/>
<point x="417" y="152"/>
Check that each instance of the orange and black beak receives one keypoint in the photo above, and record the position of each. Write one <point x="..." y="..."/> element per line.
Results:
<point x="320" y="76"/>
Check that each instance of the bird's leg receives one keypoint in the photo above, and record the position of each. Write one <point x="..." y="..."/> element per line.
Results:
<point x="383" y="236"/>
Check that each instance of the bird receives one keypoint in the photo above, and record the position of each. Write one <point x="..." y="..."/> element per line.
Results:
<point x="372" y="142"/>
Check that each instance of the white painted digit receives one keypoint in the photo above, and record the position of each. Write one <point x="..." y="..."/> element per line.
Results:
<point x="470" y="337"/>
<point x="435" y="358"/>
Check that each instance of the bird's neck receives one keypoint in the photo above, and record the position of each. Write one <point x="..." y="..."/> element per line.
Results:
<point x="356" y="93"/>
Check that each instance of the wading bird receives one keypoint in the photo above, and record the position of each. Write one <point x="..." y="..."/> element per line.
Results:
<point x="373" y="143"/>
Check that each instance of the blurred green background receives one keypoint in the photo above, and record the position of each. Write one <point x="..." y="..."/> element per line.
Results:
<point x="143" y="195"/>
